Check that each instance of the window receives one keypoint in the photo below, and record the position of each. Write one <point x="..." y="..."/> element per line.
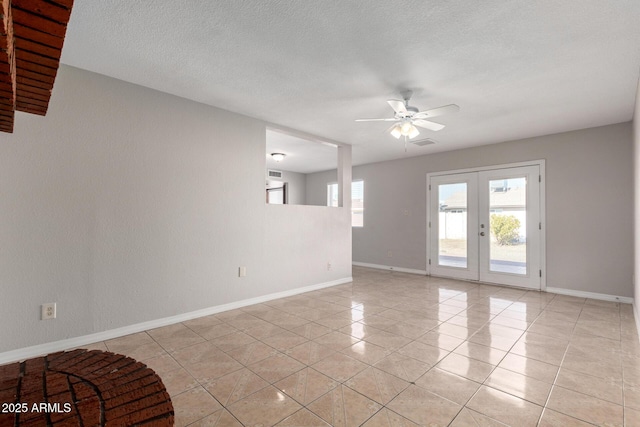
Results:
<point x="357" y="201"/>
<point x="332" y="195"/>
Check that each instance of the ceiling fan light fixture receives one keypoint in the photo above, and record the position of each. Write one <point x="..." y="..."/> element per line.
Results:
<point x="413" y="132"/>
<point x="278" y="157"/>
<point x="396" y="131"/>
<point x="406" y="128"/>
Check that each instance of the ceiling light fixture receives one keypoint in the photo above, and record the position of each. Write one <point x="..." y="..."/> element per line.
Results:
<point x="405" y="128"/>
<point x="413" y="132"/>
<point x="278" y="157"/>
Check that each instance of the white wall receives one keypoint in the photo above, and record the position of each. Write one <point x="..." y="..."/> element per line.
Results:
<point x="125" y="205"/>
<point x="589" y="205"/>
<point x="317" y="186"/>
<point x="296" y="187"/>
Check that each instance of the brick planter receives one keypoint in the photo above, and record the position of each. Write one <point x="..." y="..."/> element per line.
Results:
<point x="82" y="388"/>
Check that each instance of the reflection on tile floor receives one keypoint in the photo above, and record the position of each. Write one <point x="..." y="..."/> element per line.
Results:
<point x="395" y="349"/>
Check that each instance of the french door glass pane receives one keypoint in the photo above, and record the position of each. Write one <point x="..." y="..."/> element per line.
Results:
<point x="508" y="225"/>
<point x="452" y="225"/>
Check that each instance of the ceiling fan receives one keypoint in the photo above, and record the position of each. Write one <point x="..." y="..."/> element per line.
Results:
<point x="406" y="118"/>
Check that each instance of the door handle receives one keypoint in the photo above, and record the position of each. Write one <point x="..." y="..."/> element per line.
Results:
<point x="482" y="233"/>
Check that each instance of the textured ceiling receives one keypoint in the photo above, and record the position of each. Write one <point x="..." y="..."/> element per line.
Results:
<point x="517" y="69"/>
<point x="302" y="156"/>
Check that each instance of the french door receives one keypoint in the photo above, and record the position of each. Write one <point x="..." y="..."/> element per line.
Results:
<point x="486" y="226"/>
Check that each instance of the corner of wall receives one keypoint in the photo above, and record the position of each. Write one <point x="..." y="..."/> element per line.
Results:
<point x="636" y="216"/>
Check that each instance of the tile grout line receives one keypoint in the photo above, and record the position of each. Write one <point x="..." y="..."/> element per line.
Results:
<point x="495" y="366"/>
<point x="555" y="379"/>
<point x="406" y="287"/>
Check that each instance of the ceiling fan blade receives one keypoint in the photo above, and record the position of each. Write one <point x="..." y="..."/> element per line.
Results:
<point x="428" y="125"/>
<point x="434" y="112"/>
<point x="376" y="120"/>
<point x="398" y="106"/>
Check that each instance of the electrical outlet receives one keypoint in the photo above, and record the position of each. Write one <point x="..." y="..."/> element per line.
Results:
<point x="390" y="254"/>
<point x="242" y="272"/>
<point x="48" y="311"/>
<point x="328" y="266"/>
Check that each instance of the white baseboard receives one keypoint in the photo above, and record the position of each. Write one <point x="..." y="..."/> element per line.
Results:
<point x="561" y="291"/>
<point x="390" y="268"/>
<point x="52" y="347"/>
<point x="592" y="295"/>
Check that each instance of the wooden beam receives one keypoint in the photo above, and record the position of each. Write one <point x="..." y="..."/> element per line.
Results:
<point x="54" y="12"/>
<point x="37" y="22"/>
<point x="33" y="107"/>
<point x="32" y="93"/>
<point x="63" y="3"/>
<point x="25" y="45"/>
<point x="6" y="85"/>
<point x="37" y="36"/>
<point x="35" y="68"/>
<point x="34" y="58"/>
<point x="8" y="61"/>
<point x="26" y="81"/>
<point x="31" y="38"/>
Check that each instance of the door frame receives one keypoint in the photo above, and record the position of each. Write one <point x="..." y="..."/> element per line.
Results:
<point x="543" y="240"/>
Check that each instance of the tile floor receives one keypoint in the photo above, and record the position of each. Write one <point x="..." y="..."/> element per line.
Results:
<point x="394" y="349"/>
